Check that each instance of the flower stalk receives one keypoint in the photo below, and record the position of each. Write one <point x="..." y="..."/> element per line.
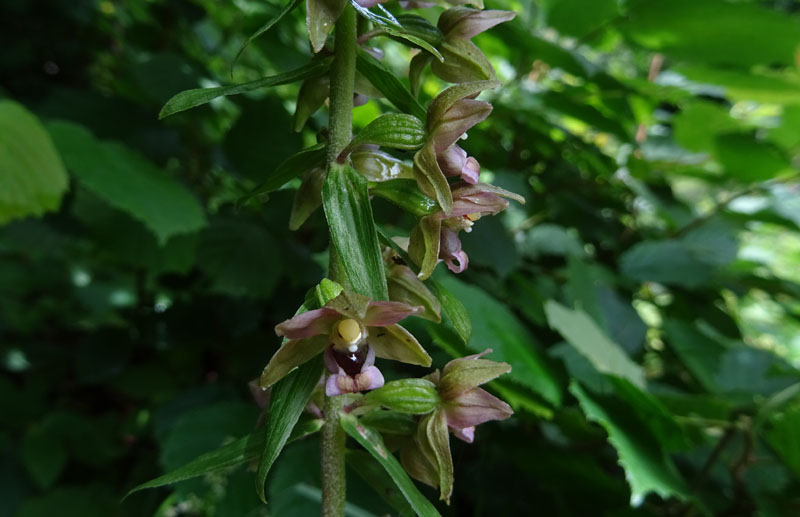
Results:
<point x="342" y="87"/>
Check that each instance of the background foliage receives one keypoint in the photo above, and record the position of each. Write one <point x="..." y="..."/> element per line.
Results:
<point x="647" y="295"/>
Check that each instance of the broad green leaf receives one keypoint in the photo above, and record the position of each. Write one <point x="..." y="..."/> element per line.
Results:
<point x="754" y="85"/>
<point x="395" y="130"/>
<point x="684" y="29"/>
<point x="32" y="175"/>
<point x="495" y="326"/>
<point x="695" y="127"/>
<point x="584" y="334"/>
<point x="781" y="434"/>
<point x="290" y="5"/>
<point x="199" y="96"/>
<point x="667" y="261"/>
<point x="239" y="258"/>
<point x="371" y="440"/>
<point x="290" y="168"/>
<point x="289" y="397"/>
<point x="349" y="213"/>
<point x="648" y="468"/>
<point x="243" y="450"/>
<point x="748" y="159"/>
<point x="373" y="474"/>
<point x="391" y="26"/>
<point x="43" y="455"/>
<point x="128" y="181"/>
<point x="389" y="85"/>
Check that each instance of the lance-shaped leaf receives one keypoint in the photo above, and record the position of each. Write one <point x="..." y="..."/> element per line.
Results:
<point x="289" y="397"/>
<point x="453" y="309"/>
<point x="405" y="194"/>
<point x="243" y="450"/>
<point x="395" y="130"/>
<point x="390" y="25"/>
<point x="290" y="168"/>
<point x="430" y="178"/>
<point x="389" y="85"/>
<point x="463" y="62"/>
<point x="372" y="473"/>
<point x="420" y="27"/>
<point x="290" y="5"/>
<point x="371" y="441"/>
<point x="197" y="97"/>
<point x="321" y="16"/>
<point x="349" y="213"/>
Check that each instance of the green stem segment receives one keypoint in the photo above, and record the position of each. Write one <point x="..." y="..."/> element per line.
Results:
<point x="340" y="127"/>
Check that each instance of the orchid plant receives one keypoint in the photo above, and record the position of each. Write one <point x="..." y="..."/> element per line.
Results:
<point x="329" y="364"/>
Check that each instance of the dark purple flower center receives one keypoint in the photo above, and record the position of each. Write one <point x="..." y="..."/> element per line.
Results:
<point x="351" y="362"/>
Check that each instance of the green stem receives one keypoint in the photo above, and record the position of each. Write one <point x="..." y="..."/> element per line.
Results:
<point x="340" y="128"/>
<point x="333" y="438"/>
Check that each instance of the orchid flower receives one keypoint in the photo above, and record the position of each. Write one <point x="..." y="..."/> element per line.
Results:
<point x="436" y="236"/>
<point x="351" y="330"/>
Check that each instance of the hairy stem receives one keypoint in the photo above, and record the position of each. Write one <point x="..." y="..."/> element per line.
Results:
<point x="340" y="127"/>
<point x="333" y="438"/>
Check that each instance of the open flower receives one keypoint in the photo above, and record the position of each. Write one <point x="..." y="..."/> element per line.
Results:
<point x="462" y="406"/>
<point x="436" y="236"/>
<point x="465" y="405"/>
<point x="352" y="330"/>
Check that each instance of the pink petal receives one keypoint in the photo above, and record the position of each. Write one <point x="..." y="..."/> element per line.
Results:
<point x="450" y="251"/>
<point x="471" y="171"/>
<point x="467" y="434"/>
<point x="307" y="324"/>
<point x="370" y="378"/>
<point x="452" y="160"/>
<point x="383" y="314"/>
<point x="475" y="407"/>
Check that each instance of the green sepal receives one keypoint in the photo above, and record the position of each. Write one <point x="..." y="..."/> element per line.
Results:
<point x="462" y="375"/>
<point x="433" y="440"/>
<point x="463" y="62"/>
<point x="447" y="98"/>
<point x="310" y="98"/>
<point x="412" y="396"/>
<point x="415" y="69"/>
<point x="307" y="198"/>
<point x="430" y="178"/>
<point x="423" y="246"/>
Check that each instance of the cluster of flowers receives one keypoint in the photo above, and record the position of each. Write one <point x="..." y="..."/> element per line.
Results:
<point x="351" y="330"/>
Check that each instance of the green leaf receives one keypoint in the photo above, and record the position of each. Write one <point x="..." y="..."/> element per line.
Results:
<point x="243" y="450"/>
<point x="32" y="175"/>
<point x="349" y="213"/>
<point x="453" y="309"/>
<point x="748" y="159"/>
<point x="495" y="326"/>
<point x="584" y="334"/>
<point x="389" y="85"/>
<point x="290" y="168"/>
<point x="239" y="258"/>
<point x="781" y="435"/>
<point x="695" y="127"/>
<point x="391" y="26"/>
<point x="647" y="467"/>
<point x="290" y="5"/>
<point x="128" y="181"/>
<point x="371" y="440"/>
<point x="682" y="29"/>
<point x="667" y="261"/>
<point x="289" y="398"/>
<point x="43" y="455"/>
<point x="199" y="96"/>
<point x="372" y="473"/>
<point x="395" y="130"/>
